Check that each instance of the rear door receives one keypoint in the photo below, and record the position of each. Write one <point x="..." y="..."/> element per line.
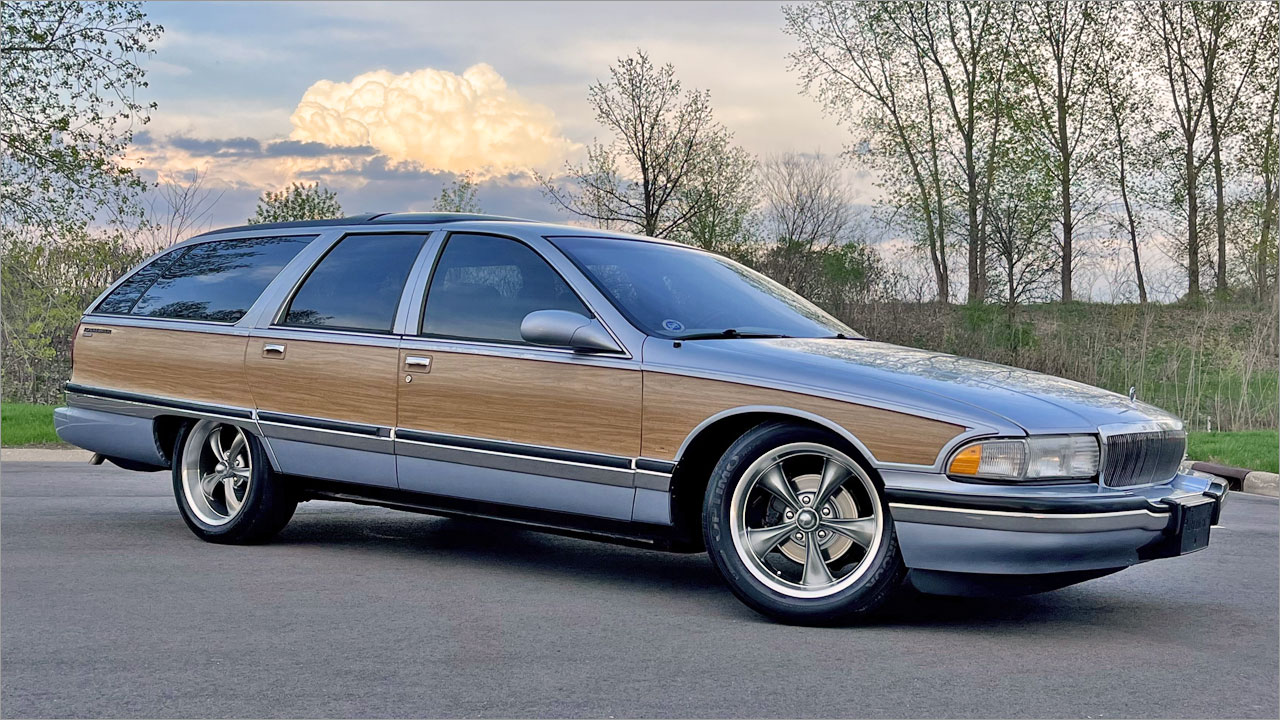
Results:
<point x="323" y="370"/>
<point x="485" y="416"/>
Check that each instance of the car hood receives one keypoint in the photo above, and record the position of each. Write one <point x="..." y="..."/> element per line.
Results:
<point x="927" y="382"/>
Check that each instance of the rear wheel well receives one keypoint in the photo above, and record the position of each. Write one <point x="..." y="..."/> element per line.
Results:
<point x="166" y="429"/>
<point x="689" y="482"/>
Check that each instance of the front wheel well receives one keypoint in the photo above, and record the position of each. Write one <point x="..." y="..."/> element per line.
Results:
<point x="695" y="465"/>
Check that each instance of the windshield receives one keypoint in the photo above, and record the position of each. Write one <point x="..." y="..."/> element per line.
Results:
<point x="681" y="293"/>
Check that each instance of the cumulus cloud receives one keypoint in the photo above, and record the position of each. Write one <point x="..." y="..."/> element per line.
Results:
<point x="468" y="123"/>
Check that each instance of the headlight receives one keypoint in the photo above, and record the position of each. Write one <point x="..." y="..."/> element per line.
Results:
<point x="1047" y="457"/>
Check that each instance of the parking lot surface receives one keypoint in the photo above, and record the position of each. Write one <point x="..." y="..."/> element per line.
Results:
<point x="109" y="606"/>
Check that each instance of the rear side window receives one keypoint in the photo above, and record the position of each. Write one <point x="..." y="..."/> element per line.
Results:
<point x="217" y="281"/>
<point x="357" y="285"/>
<point x="122" y="299"/>
<point x="483" y="286"/>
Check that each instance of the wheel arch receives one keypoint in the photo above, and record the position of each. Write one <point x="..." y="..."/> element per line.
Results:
<point x="167" y="427"/>
<point x="706" y="443"/>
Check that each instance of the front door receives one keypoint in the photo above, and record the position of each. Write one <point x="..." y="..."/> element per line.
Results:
<point x="324" y="374"/>
<point x="485" y="416"/>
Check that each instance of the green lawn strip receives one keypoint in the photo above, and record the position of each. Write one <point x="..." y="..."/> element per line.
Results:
<point x="23" y="424"/>
<point x="1250" y="449"/>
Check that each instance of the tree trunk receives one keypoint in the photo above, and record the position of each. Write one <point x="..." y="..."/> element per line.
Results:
<point x="1132" y="223"/>
<point x="1270" y="196"/>
<point x="1193" y="228"/>
<point x="975" y="241"/>
<point x="1220" y="204"/>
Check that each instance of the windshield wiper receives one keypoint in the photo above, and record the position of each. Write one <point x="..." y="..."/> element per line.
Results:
<point x="729" y="333"/>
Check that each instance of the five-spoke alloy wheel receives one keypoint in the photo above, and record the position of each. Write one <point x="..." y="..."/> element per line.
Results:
<point x="798" y="527"/>
<point x="225" y="487"/>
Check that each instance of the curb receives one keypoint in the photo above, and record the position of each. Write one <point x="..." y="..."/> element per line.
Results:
<point x="1261" y="483"/>
<point x="45" y="455"/>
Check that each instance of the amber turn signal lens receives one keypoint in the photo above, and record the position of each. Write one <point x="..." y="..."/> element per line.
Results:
<point x="966" y="461"/>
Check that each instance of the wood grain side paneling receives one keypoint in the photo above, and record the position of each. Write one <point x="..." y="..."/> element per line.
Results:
<point x="674" y="405"/>
<point x="205" y="367"/>
<point x="356" y="383"/>
<point x="556" y="404"/>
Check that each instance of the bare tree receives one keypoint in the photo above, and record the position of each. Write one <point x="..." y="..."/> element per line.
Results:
<point x="1126" y="103"/>
<point x="806" y="208"/>
<point x="967" y="46"/>
<point x="1061" y="50"/>
<point x="644" y="177"/>
<point x="177" y="209"/>
<point x="850" y="53"/>
<point x="1185" y="51"/>
<point x="1230" y="40"/>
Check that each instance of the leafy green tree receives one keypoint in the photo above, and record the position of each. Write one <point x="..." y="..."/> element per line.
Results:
<point x="71" y="76"/>
<point x="47" y="278"/>
<point x="458" y="196"/>
<point x="1061" y="52"/>
<point x="297" y="202"/>
<point x="725" y="185"/>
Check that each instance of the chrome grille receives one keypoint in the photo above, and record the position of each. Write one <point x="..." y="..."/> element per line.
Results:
<point x="1142" y="458"/>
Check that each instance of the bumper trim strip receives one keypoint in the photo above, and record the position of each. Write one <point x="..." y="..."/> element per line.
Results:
<point x="1030" y="521"/>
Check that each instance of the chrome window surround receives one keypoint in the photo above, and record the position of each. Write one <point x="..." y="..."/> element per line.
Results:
<point x="419" y="317"/>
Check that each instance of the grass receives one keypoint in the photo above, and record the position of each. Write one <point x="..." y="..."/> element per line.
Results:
<point x="1252" y="449"/>
<point x="23" y="424"/>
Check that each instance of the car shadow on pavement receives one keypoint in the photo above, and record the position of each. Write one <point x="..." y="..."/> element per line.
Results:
<point x="503" y="547"/>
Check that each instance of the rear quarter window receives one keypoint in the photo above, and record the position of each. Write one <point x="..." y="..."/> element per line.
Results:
<point x="216" y="281"/>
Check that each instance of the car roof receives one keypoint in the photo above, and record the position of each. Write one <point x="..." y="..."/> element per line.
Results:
<point x="474" y="220"/>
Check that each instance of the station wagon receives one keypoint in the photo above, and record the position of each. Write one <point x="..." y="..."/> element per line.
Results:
<point x="615" y="387"/>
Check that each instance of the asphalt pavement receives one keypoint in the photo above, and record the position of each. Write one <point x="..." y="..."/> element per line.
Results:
<point x="109" y="606"/>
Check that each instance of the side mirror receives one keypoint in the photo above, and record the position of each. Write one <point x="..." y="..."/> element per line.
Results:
<point x="561" y="328"/>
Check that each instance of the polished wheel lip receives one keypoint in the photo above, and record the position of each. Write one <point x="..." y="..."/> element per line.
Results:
<point x="764" y="474"/>
<point x="217" y="471"/>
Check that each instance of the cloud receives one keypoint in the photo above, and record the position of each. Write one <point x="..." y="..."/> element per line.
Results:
<point x="227" y="146"/>
<point x="300" y="148"/>
<point x="441" y="121"/>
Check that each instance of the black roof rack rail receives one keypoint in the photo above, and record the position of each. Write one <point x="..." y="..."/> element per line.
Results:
<point x="349" y="220"/>
<point x="398" y="218"/>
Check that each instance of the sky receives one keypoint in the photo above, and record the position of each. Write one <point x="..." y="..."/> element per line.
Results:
<point x="387" y="102"/>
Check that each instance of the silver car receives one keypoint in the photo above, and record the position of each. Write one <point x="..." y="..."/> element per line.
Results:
<point x="616" y="387"/>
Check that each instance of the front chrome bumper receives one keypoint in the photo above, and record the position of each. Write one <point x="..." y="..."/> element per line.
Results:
<point x="960" y="527"/>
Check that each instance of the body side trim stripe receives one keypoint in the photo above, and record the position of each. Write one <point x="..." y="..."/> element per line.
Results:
<point x="186" y="405"/>
<point x="509" y="448"/>
<point x="655" y="466"/>
<point x="324" y="424"/>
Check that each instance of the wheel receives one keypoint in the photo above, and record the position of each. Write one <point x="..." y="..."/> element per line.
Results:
<point x="225" y="487"/>
<point x="799" y="529"/>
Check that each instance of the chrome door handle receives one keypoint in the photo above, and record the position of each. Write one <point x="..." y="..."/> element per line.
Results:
<point x="273" y="350"/>
<point x="417" y="361"/>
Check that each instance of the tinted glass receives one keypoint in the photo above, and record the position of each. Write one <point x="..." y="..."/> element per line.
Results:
<point x="677" y="292"/>
<point x="121" y="300"/>
<point x="220" y="280"/>
<point x="357" y="285"/>
<point x="483" y="287"/>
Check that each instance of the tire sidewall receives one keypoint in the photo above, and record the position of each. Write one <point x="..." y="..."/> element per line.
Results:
<point x="865" y="594"/>
<point x="253" y="503"/>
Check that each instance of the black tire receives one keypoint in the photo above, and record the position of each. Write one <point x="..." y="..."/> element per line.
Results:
<point x="268" y="505"/>
<point x="878" y="583"/>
